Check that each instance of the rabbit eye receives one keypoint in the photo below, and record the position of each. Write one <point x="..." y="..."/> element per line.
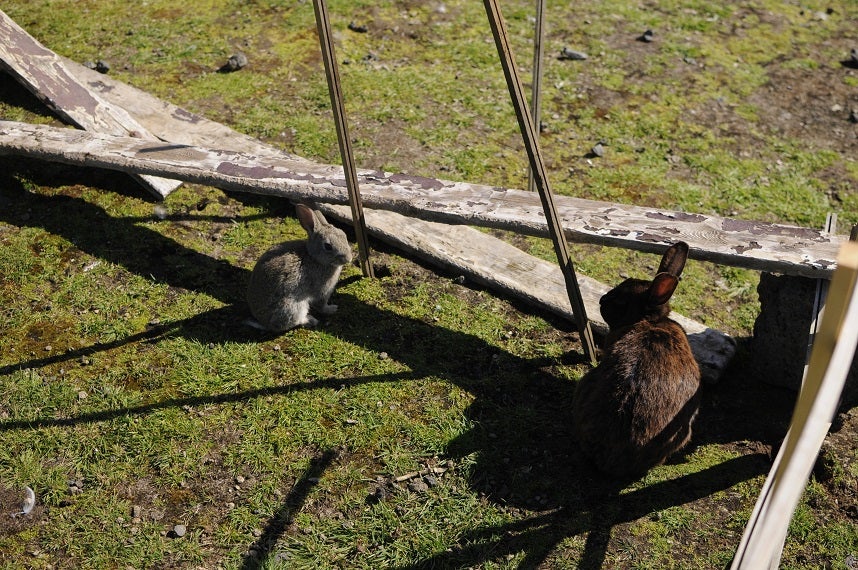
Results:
<point x="328" y="246"/>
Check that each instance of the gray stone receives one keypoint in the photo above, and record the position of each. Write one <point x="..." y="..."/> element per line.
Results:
<point x="779" y="346"/>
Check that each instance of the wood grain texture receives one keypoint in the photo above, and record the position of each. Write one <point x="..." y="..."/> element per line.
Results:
<point x="762" y="246"/>
<point x="46" y="75"/>
<point x="500" y="266"/>
<point x="482" y="258"/>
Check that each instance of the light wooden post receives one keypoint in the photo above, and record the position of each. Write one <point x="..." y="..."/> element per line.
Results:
<point x="537" y="166"/>
<point x="331" y="71"/>
<point x="833" y="350"/>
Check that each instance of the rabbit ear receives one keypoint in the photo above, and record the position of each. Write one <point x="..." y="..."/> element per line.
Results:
<point x="306" y="217"/>
<point x="673" y="260"/>
<point x="662" y="288"/>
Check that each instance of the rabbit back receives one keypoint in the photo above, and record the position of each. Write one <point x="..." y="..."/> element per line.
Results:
<point x="274" y="283"/>
<point x="636" y="408"/>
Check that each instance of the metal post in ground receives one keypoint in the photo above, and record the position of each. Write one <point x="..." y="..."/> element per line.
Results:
<point x="323" y="25"/>
<point x="537" y="166"/>
<point x="536" y="90"/>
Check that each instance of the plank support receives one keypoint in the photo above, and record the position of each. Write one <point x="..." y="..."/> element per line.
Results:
<point x="323" y="24"/>
<point x="540" y="178"/>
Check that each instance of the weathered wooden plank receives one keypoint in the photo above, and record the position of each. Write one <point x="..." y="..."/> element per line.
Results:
<point x="756" y="245"/>
<point x="45" y="75"/>
<point x="500" y="266"/>
<point x="171" y="123"/>
<point x="482" y="258"/>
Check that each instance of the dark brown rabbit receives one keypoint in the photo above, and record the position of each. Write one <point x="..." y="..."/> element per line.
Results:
<point x="635" y="409"/>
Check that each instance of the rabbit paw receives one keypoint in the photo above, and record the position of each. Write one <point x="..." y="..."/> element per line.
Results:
<point x="328" y="309"/>
<point x="311" y="321"/>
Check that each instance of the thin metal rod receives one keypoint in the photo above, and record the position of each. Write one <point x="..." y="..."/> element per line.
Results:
<point x="819" y="297"/>
<point x="534" y="154"/>
<point x="536" y="88"/>
<point x="323" y="25"/>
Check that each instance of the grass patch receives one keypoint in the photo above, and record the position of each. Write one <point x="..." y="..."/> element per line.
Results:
<point x="132" y="399"/>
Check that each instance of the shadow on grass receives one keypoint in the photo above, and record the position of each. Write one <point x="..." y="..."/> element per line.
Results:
<point x="334" y="383"/>
<point x="119" y="240"/>
<point x="521" y="436"/>
<point x="284" y="516"/>
<point x="537" y="536"/>
<point x="524" y="449"/>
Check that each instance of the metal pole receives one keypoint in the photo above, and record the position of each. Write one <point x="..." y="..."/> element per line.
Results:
<point x="536" y="89"/>
<point x="537" y="166"/>
<point x="323" y="26"/>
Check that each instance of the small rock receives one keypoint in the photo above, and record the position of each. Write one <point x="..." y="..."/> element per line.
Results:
<point x="431" y="480"/>
<point x="160" y="212"/>
<point x="359" y="28"/>
<point x="418" y="486"/>
<point x="598" y="150"/>
<point x="383" y="356"/>
<point x="646" y="37"/>
<point x="235" y="62"/>
<point x="853" y="116"/>
<point x="239" y="479"/>
<point x="379" y="494"/>
<point x="136" y="511"/>
<point x="180" y="530"/>
<point x="102" y="66"/>
<point x="851" y="562"/>
<point x="571" y="54"/>
<point x="82" y="395"/>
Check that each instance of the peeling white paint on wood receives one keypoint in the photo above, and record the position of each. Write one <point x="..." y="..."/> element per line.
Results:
<point x="45" y="75"/>
<point x="762" y="246"/>
<point x="498" y="265"/>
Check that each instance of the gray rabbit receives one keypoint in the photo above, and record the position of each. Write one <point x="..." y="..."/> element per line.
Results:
<point x="295" y="276"/>
<point x="635" y="409"/>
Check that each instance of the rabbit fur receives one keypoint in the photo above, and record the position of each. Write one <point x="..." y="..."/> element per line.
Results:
<point x="294" y="277"/>
<point x="635" y="409"/>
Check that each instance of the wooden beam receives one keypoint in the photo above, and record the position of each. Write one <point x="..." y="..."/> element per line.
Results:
<point x="500" y="266"/>
<point x="484" y="259"/>
<point x="775" y="248"/>
<point x="45" y="75"/>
